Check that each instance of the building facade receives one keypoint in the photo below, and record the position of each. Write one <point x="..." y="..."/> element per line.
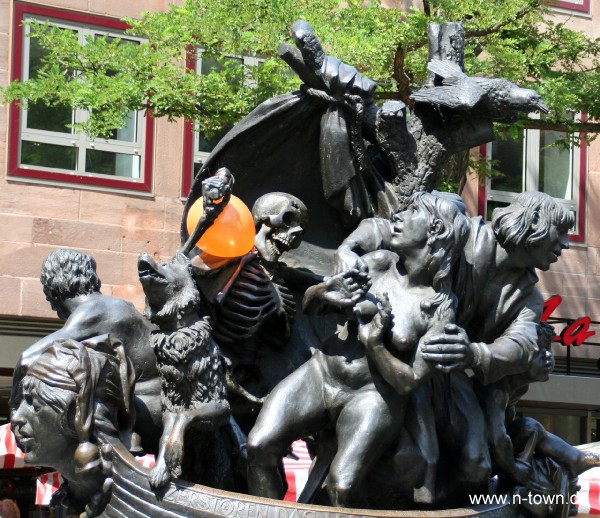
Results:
<point x="111" y="198"/>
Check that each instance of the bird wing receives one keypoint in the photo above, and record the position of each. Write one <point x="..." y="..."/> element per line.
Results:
<point x="462" y="96"/>
<point x="448" y="70"/>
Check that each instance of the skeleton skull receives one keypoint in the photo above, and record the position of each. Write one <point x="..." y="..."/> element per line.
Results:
<point x="280" y="219"/>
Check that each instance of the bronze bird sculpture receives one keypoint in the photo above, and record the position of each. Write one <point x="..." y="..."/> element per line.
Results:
<point x="497" y="99"/>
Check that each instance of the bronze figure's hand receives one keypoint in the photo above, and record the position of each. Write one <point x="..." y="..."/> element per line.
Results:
<point x="321" y="71"/>
<point x="345" y="260"/>
<point x="371" y="333"/>
<point x="449" y="350"/>
<point x="216" y="191"/>
<point x="345" y="289"/>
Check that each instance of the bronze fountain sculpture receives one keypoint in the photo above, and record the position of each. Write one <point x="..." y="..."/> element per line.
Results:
<point x="375" y="341"/>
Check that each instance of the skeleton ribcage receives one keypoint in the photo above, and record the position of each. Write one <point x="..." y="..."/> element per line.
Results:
<point x="252" y="300"/>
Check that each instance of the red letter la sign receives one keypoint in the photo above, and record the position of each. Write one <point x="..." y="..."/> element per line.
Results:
<point x="574" y="334"/>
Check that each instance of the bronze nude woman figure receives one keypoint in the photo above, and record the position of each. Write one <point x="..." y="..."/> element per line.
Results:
<point x="358" y="383"/>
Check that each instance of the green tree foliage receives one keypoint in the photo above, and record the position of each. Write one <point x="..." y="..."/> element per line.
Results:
<point x="515" y="39"/>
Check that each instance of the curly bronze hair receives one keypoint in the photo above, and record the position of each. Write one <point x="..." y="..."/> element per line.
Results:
<point x="66" y="274"/>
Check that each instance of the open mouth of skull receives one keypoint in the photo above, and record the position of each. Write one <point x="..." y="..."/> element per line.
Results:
<point x="277" y="245"/>
<point x="283" y="242"/>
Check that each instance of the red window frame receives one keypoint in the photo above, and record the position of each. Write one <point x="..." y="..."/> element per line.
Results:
<point x="14" y="169"/>
<point x="188" y="153"/>
<point x="188" y="136"/>
<point x="583" y="7"/>
<point x="581" y="216"/>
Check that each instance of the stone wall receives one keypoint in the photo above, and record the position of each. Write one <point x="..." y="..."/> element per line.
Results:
<point x="113" y="227"/>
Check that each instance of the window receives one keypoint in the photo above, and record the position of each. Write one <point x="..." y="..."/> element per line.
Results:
<point x="44" y="148"/>
<point x="196" y="146"/>
<point x="568" y="423"/>
<point x="532" y="164"/>
<point x="582" y="6"/>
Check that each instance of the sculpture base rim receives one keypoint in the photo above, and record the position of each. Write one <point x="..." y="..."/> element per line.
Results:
<point x="132" y="497"/>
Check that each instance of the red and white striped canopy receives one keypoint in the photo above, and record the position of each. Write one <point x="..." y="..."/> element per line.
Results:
<point x="46" y="485"/>
<point x="588" y="497"/>
<point x="11" y="456"/>
<point x="148" y="460"/>
<point x="296" y="471"/>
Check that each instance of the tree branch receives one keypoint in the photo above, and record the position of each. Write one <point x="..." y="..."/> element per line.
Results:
<point x="477" y="33"/>
<point x="427" y="8"/>
<point x="400" y="77"/>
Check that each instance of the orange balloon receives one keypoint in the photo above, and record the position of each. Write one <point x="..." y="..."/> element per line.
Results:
<point x="232" y="233"/>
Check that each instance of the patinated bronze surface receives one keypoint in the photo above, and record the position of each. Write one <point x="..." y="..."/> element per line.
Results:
<point x="396" y="338"/>
<point x="192" y="375"/>
<point x="348" y="159"/>
<point x="359" y="381"/>
<point x="72" y="288"/>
